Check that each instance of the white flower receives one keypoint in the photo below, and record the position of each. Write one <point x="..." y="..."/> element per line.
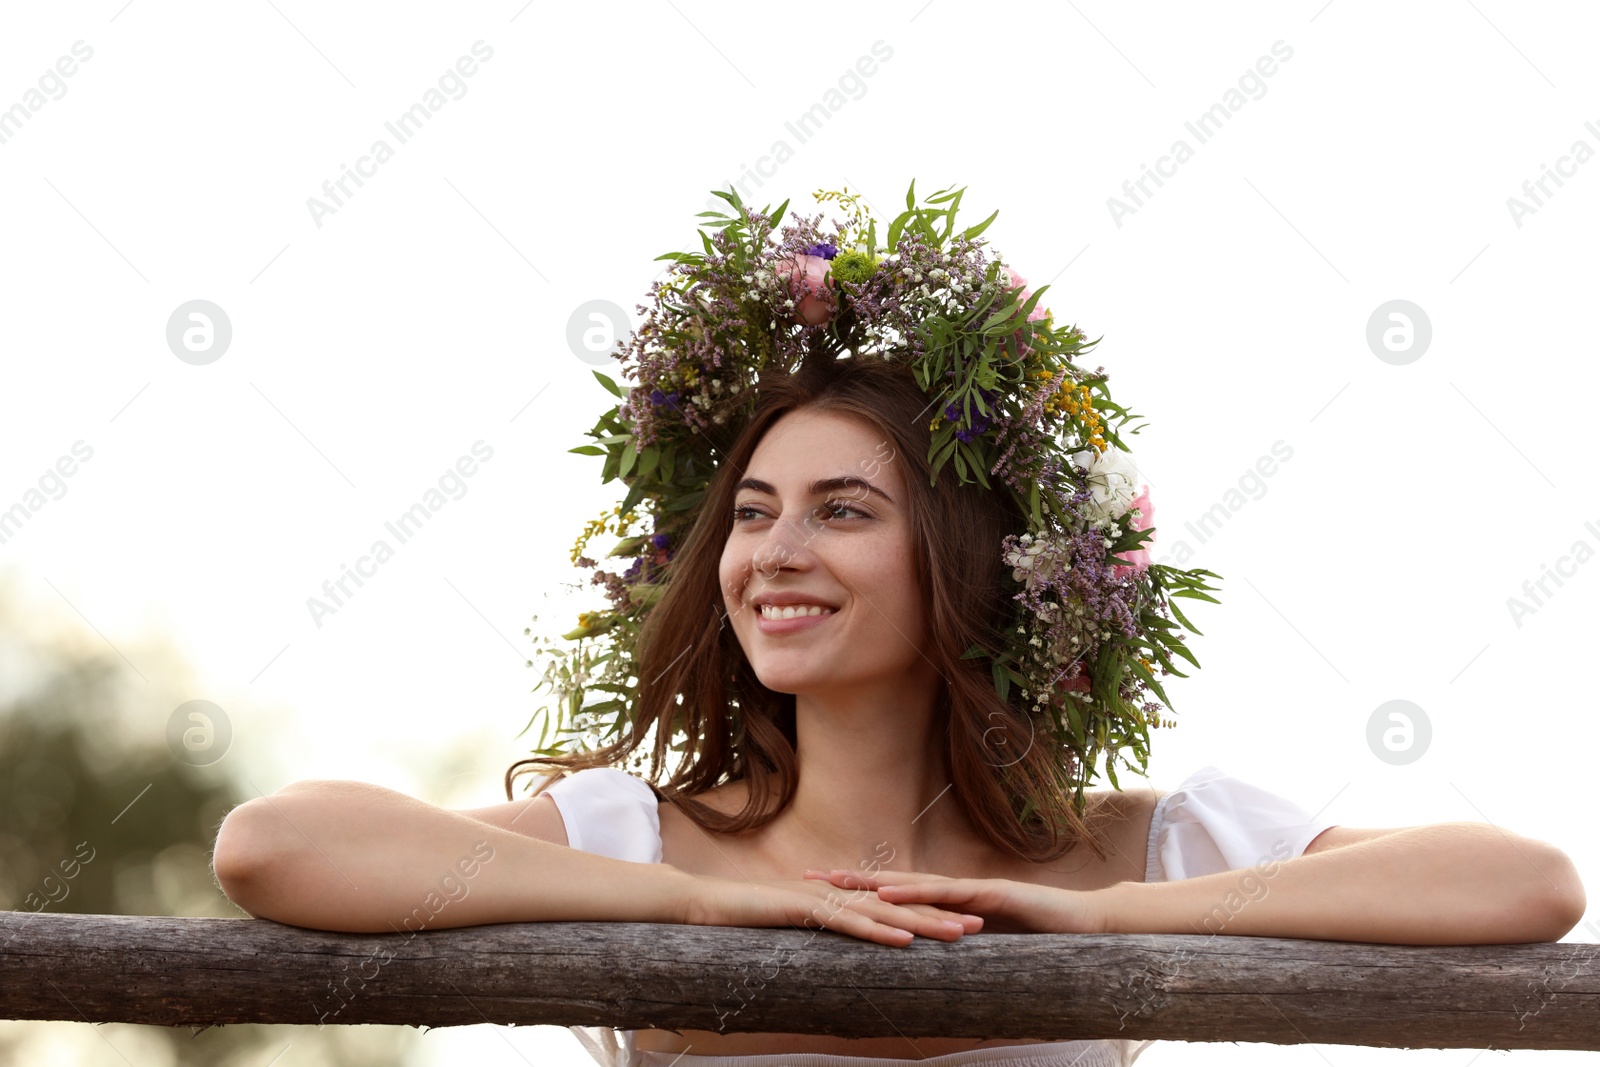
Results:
<point x="1024" y="561"/>
<point x="1112" y="479"/>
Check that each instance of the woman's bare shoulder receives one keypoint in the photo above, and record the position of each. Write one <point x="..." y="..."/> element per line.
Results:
<point x="1119" y="820"/>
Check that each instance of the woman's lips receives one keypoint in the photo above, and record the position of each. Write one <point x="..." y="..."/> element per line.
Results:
<point x="789" y="626"/>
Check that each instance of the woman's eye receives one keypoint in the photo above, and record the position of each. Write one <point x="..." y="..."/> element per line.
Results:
<point x="833" y="509"/>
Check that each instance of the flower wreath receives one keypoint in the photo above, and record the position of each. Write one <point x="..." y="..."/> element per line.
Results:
<point x="1094" y="621"/>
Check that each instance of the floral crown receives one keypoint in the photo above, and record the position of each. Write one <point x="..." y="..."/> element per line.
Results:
<point x="1094" y="620"/>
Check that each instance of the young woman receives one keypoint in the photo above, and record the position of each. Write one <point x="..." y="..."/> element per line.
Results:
<point x="834" y="590"/>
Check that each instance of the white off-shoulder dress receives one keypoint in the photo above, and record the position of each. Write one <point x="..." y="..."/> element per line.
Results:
<point x="1211" y="822"/>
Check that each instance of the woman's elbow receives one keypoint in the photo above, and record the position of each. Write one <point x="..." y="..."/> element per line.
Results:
<point x="1561" y="900"/>
<point x="1573" y="901"/>
<point x="253" y="853"/>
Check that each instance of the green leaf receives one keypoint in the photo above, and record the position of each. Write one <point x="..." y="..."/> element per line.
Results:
<point x="973" y="231"/>
<point x="611" y="386"/>
<point x="977" y="467"/>
<point x="895" y="229"/>
<point x="635" y="494"/>
<point x="686" y="501"/>
<point x="1000" y="320"/>
<point x="588" y="450"/>
<point x="1183" y="650"/>
<point x="1149" y="679"/>
<point x="629" y="455"/>
<point x="627" y="546"/>
<point x="1002" y="680"/>
<point x="1180" y="617"/>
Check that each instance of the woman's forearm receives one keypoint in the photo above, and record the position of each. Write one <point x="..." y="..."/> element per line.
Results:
<point x="1444" y="884"/>
<point x="359" y="858"/>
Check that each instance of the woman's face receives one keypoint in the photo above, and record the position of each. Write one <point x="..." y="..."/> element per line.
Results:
<point x="821" y="524"/>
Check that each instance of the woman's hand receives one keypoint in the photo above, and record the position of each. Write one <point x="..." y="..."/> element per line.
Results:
<point x="811" y="903"/>
<point x="1005" y="905"/>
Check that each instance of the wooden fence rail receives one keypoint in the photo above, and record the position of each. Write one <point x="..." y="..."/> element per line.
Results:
<point x="196" y="972"/>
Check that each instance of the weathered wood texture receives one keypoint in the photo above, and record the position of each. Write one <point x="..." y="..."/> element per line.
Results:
<point x="193" y="972"/>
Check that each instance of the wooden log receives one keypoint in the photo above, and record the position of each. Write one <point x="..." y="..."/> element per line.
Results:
<point x="197" y="972"/>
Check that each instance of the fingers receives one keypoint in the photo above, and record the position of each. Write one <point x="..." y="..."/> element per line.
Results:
<point x="858" y="924"/>
<point x="934" y="888"/>
<point x="969" y="923"/>
<point x="864" y="915"/>
<point x="924" y="920"/>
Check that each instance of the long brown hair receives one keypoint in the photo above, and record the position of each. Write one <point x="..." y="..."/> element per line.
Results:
<point x="1008" y="773"/>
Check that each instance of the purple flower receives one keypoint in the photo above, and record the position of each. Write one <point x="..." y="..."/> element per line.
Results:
<point x="661" y="400"/>
<point x="660" y="540"/>
<point x="980" y="422"/>
<point x="979" y="425"/>
<point x="823" y="249"/>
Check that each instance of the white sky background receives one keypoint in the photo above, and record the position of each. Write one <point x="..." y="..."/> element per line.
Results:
<point x="430" y="312"/>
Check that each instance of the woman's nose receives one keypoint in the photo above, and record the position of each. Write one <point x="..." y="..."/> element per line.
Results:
<point x="785" y="544"/>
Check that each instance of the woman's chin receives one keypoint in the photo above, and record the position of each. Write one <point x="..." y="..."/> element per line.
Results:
<point x="793" y="682"/>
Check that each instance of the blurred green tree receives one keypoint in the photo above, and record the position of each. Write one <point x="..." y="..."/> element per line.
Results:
<point x="98" y="816"/>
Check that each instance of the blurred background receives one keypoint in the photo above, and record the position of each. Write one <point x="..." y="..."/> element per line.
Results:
<point x="1336" y="251"/>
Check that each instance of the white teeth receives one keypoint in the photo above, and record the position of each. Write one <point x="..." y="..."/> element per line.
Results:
<point x="771" y="611"/>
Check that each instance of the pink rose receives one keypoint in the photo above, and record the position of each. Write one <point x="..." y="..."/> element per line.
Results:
<point x="810" y="288"/>
<point x="1018" y="282"/>
<point x="1139" y="558"/>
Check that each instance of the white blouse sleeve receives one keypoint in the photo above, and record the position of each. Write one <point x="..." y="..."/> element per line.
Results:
<point x="1214" y="822"/>
<point x="611" y="812"/>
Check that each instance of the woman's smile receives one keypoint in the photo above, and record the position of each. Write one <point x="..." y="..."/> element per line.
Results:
<point x="787" y="620"/>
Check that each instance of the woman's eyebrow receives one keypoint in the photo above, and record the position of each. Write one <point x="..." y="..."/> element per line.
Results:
<point x="818" y="487"/>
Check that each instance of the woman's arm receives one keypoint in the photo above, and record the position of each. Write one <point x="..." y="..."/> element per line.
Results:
<point x="1443" y="884"/>
<point x="360" y="858"/>
<point x="1456" y="883"/>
